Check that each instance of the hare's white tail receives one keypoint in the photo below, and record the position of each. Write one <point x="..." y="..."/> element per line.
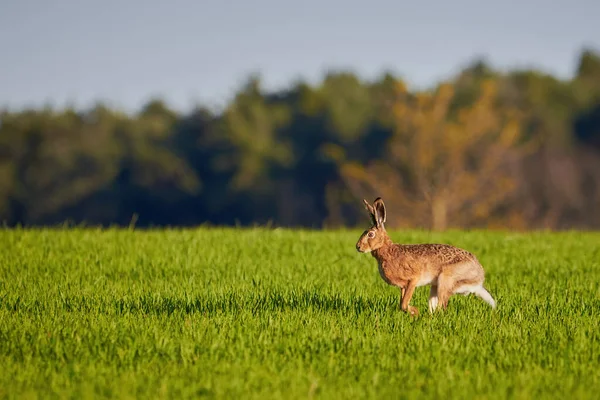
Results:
<point x="485" y="296"/>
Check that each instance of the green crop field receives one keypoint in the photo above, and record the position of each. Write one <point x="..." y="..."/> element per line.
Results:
<point x="258" y="313"/>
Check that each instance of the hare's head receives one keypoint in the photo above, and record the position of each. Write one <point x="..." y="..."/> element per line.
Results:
<point x="376" y="236"/>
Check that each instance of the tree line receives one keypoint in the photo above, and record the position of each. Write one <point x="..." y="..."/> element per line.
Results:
<point x="485" y="149"/>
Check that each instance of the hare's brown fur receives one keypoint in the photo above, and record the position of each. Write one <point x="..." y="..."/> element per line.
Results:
<point x="447" y="269"/>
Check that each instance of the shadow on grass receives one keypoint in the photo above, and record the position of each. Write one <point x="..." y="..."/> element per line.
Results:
<point x="256" y="303"/>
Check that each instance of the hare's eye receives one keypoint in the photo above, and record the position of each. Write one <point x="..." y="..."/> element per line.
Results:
<point x="371" y="234"/>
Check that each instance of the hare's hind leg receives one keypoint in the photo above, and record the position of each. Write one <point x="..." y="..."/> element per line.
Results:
<point x="444" y="293"/>
<point x="478" y="290"/>
<point x="433" y="298"/>
<point x="482" y="293"/>
<point x="444" y="289"/>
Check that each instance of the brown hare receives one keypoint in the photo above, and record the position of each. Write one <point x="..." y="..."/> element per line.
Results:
<point x="446" y="268"/>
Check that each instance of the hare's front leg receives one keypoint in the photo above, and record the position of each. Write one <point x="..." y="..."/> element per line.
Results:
<point x="402" y="290"/>
<point x="406" y="307"/>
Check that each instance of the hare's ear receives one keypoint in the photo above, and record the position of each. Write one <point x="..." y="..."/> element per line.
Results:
<point x="371" y="211"/>
<point x="379" y="211"/>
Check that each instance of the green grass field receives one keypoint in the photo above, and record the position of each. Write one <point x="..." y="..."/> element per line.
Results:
<point x="220" y="313"/>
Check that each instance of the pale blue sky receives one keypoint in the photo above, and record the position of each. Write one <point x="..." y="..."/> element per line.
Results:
<point x="124" y="52"/>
